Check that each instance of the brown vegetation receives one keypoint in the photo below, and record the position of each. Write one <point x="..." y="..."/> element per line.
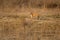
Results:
<point x="16" y="24"/>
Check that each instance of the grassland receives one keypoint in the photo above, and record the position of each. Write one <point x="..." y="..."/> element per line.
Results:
<point x="16" y="24"/>
<point x="16" y="27"/>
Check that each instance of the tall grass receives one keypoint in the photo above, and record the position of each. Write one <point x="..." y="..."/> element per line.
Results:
<point x="27" y="3"/>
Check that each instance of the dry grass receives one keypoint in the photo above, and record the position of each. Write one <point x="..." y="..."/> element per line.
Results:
<point x="16" y="24"/>
<point x="21" y="27"/>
